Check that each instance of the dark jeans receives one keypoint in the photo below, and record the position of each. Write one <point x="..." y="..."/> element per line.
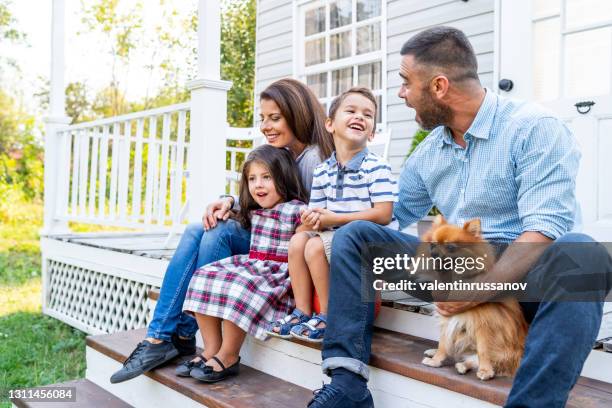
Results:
<point x="560" y="337"/>
<point x="196" y="248"/>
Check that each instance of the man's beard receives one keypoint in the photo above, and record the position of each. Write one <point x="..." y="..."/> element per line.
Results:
<point x="432" y="113"/>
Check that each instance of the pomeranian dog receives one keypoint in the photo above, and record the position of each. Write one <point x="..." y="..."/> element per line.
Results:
<point x="489" y="337"/>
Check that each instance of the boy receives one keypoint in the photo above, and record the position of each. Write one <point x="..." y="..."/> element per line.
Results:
<point x="353" y="184"/>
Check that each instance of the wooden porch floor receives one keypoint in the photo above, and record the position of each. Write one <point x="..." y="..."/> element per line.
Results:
<point x="151" y="245"/>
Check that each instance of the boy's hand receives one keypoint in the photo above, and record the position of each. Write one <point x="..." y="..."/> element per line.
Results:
<point x="326" y="218"/>
<point x="310" y="219"/>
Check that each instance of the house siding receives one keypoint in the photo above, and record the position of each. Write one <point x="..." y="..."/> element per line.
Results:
<point x="274" y="50"/>
<point x="405" y="18"/>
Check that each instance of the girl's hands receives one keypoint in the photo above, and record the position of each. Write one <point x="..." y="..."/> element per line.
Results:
<point x="310" y="219"/>
<point x="217" y="210"/>
<point x="326" y="218"/>
<point x="319" y="219"/>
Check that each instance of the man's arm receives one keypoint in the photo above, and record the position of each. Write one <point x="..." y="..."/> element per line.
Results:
<point x="546" y="160"/>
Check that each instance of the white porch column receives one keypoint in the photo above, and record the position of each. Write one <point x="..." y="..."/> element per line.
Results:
<point x="208" y="114"/>
<point x="55" y="122"/>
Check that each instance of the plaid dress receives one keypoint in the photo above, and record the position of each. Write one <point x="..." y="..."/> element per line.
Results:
<point x="250" y="290"/>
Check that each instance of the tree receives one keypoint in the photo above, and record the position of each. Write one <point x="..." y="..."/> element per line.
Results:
<point x="120" y="27"/>
<point x="238" y="59"/>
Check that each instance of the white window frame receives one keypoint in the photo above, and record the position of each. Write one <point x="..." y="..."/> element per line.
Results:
<point x="301" y="71"/>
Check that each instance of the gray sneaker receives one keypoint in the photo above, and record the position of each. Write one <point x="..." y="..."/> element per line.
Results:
<point x="146" y="356"/>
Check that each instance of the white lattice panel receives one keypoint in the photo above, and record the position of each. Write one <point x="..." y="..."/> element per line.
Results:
<point x="97" y="301"/>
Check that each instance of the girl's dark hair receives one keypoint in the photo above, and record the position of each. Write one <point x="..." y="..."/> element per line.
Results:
<point x="303" y="112"/>
<point x="284" y="172"/>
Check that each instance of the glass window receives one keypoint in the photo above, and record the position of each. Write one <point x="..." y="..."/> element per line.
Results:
<point x="315" y="51"/>
<point x="340" y="13"/>
<point x="340" y="45"/>
<point x="586" y="12"/>
<point x="587" y="63"/>
<point x="367" y="9"/>
<point x="318" y="84"/>
<point x="368" y="38"/>
<point x="315" y="21"/>
<point x="370" y="75"/>
<point x="342" y="80"/>
<point x="546" y="46"/>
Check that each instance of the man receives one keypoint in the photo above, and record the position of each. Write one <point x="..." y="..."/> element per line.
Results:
<point x="511" y="164"/>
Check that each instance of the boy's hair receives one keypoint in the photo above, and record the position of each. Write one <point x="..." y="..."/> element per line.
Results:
<point x="359" y="90"/>
<point x="302" y="111"/>
<point x="284" y="172"/>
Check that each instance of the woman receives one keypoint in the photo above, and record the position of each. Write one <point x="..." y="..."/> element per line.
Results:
<point x="291" y="118"/>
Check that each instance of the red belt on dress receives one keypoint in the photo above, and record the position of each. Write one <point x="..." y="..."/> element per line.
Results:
<point x="264" y="256"/>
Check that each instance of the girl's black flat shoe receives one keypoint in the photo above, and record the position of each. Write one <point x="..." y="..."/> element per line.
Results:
<point x="184" y="369"/>
<point x="212" y="376"/>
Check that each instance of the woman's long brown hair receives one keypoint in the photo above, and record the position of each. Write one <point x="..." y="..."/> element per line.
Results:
<point x="284" y="172"/>
<point x="303" y="112"/>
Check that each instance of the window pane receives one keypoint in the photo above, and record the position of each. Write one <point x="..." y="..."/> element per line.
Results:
<point x="587" y="63"/>
<point x="340" y="45"/>
<point x="340" y="13"/>
<point x="368" y="38"/>
<point x="370" y="75"/>
<point x="379" y="109"/>
<point x="546" y="46"/>
<point x="342" y="80"/>
<point x="315" y="51"/>
<point x="585" y="12"/>
<point x="546" y="7"/>
<point x="315" y="21"/>
<point x="318" y="84"/>
<point x="367" y="9"/>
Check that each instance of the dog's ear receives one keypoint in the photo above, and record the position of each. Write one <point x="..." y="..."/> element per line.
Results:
<point x="473" y="227"/>
<point x="439" y="220"/>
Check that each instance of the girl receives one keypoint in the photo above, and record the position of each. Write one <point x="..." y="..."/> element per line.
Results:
<point x="243" y="293"/>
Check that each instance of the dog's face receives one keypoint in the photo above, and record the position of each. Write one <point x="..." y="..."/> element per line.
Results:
<point x="465" y="243"/>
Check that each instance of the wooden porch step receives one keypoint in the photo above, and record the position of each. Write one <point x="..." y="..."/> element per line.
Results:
<point x="88" y="395"/>
<point x="252" y="388"/>
<point x="402" y="354"/>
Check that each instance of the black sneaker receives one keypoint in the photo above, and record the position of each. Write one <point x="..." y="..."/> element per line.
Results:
<point x="146" y="356"/>
<point x="185" y="347"/>
<point x="332" y="396"/>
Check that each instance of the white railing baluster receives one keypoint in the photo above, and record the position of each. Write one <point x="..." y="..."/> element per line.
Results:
<point x="83" y="164"/>
<point x="124" y="168"/>
<point x="76" y="150"/>
<point x="63" y="187"/>
<point x="114" y="170"/>
<point x="151" y="170"/>
<point x="103" y="170"/>
<point x="163" y="176"/>
<point x="172" y="175"/>
<point x="137" y="189"/>
<point x="93" y="173"/>
<point x="179" y="168"/>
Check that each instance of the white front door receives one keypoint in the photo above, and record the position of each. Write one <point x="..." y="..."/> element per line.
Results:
<point x="559" y="53"/>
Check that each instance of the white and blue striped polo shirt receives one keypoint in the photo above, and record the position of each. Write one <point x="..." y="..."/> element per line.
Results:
<point x="366" y="179"/>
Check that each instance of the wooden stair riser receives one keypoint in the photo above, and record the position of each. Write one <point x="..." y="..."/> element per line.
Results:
<point x="141" y="391"/>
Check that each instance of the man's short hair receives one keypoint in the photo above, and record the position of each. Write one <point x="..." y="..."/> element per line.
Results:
<point x="446" y="48"/>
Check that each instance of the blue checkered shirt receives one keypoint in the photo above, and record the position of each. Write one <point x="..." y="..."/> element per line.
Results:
<point x="517" y="173"/>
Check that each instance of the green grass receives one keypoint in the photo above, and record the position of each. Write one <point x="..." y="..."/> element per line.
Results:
<point x="34" y="349"/>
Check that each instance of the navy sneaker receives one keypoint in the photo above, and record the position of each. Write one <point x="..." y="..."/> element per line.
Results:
<point x="185" y="347"/>
<point x="146" y="356"/>
<point x="333" y="396"/>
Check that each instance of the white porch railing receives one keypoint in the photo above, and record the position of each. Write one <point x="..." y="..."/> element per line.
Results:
<point x="128" y="170"/>
<point x="131" y="170"/>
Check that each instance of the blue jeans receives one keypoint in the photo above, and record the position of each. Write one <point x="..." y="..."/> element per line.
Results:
<point x="196" y="248"/>
<point x="560" y="338"/>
